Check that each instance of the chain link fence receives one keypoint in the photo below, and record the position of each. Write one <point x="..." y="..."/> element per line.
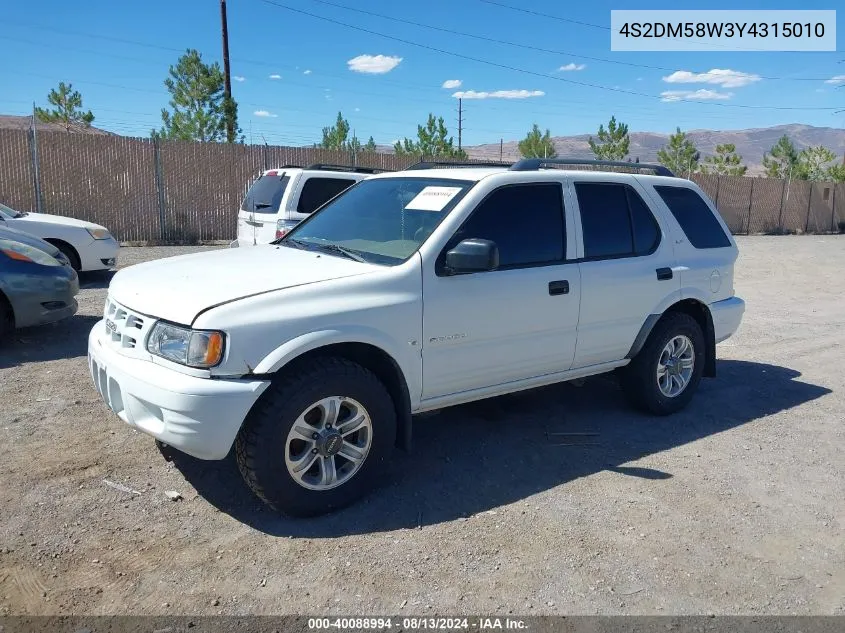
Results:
<point x="183" y="192"/>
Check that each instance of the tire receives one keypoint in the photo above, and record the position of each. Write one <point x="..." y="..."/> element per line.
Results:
<point x="639" y="379"/>
<point x="69" y="252"/>
<point x="269" y="445"/>
<point x="7" y="318"/>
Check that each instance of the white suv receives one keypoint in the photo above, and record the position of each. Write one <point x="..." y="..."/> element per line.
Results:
<point x="281" y="198"/>
<point x="410" y="292"/>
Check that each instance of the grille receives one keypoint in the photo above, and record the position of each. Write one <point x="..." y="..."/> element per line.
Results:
<point x="125" y="329"/>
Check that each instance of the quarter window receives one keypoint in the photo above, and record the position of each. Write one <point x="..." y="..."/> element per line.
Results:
<point x="524" y="221"/>
<point x="318" y="191"/>
<point x="696" y="219"/>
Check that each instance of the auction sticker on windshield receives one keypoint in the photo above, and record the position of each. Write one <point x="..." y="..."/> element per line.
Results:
<point x="432" y="198"/>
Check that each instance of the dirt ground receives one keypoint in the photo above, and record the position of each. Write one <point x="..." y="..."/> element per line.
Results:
<point x="734" y="506"/>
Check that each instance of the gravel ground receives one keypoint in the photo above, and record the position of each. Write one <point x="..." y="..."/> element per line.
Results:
<point x="733" y="506"/>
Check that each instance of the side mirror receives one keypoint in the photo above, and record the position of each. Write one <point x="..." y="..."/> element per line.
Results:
<point x="472" y="256"/>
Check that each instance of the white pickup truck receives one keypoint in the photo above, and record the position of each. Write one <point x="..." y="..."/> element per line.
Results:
<point x="410" y="292"/>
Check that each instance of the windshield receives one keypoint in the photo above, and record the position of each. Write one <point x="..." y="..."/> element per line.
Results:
<point x="8" y="213"/>
<point x="382" y="221"/>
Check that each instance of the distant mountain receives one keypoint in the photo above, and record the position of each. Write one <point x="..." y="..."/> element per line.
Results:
<point x="750" y="144"/>
<point x="11" y="122"/>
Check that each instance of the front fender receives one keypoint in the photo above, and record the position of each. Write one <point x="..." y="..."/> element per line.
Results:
<point x="310" y="341"/>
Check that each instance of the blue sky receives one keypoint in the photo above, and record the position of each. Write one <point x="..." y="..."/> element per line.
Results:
<point x="293" y="72"/>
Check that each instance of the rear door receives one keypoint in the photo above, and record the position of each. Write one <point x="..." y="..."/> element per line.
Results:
<point x="260" y="209"/>
<point x="627" y="266"/>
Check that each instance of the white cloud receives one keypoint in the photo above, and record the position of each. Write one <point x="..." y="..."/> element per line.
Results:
<point x="721" y="77"/>
<point x="357" y="109"/>
<point x="836" y="80"/>
<point x="820" y="90"/>
<point x="498" y="94"/>
<point x="307" y="72"/>
<point x="373" y="64"/>
<point x="238" y="78"/>
<point x="275" y="76"/>
<point x="451" y="84"/>
<point x="570" y="67"/>
<point x="264" y="113"/>
<point x="639" y="78"/>
<point x="694" y="95"/>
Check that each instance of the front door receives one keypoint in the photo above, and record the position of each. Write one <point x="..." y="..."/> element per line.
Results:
<point x="516" y="322"/>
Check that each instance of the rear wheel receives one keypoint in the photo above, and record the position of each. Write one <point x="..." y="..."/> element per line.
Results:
<point x="663" y="376"/>
<point x="319" y="438"/>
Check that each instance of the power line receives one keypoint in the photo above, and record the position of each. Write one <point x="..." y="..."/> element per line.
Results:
<point x="548" y="15"/>
<point x="530" y="72"/>
<point x="536" y="48"/>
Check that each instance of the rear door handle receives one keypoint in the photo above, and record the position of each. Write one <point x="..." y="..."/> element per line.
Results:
<point x="664" y="273"/>
<point x="559" y="287"/>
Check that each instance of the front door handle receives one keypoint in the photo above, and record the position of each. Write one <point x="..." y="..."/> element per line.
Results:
<point x="559" y="287"/>
<point x="664" y="273"/>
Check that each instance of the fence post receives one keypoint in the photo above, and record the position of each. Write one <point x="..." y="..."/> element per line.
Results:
<point x="780" y="213"/>
<point x="159" y="180"/>
<point x="833" y="210"/>
<point x="36" y="176"/>
<point x="750" y="200"/>
<point x="809" y="205"/>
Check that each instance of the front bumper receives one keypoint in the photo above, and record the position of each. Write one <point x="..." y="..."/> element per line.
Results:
<point x="198" y="416"/>
<point x="99" y="254"/>
<point x="46" y="298"/>
<point x="727" y="315"/>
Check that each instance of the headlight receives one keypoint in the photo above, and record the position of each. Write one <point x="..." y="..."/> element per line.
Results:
<point x="194" y="348"/>
<point x="25" y="253"/>
<point x="99" y="234"/>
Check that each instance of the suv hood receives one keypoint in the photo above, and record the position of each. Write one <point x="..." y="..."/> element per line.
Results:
<point x="178" y="288"/>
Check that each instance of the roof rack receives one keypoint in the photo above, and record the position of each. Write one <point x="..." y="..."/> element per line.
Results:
<point x="360" y="170"/>
<point x="532" y="164"/>
<point x="434" y="164"/>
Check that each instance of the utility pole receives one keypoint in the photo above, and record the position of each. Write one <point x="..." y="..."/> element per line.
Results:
<point x="460" y="122"/>
<point x="230" y="114"/>
<point x="501" y="149"/>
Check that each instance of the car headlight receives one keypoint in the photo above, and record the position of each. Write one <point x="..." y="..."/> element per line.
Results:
<point x="99" y="234"/>
<point x="194" y="348"/>
<point x="25" y="253"/>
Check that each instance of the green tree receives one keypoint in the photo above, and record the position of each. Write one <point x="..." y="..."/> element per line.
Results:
<point x="781" y="160"/>
<point x="199" y="106"/>
<point x="613" y="143"/>
<point x="679" y="154"/>
<point x="67" y="108"/>
<point x="537" y="145"/>
<point x="836" y="173"/>
<point x="726" y="162"/>
<point x="813" y="163"/>
<point x="433" y="141"/>
<point x="336" y="137"/>
<point x="370" y="146"/>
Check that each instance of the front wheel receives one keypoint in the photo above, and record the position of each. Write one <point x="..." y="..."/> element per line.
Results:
<point x="319" y="438"/>
<point x="663" y="376"/>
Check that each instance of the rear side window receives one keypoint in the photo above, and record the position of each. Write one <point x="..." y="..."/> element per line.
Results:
<point x="615" y="221"/>
<point x="696" y="219"/>
<point x="318" y="191"/>
<point x="266" y="193"/>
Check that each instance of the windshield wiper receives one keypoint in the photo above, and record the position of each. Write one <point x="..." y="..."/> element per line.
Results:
<point x="293" y="242"/>
<point x="260" y="205"/>
<point x="340" y="250"/>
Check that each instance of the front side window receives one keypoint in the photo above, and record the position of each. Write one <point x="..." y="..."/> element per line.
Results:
<point x="615" y="221"/>
<point x="318" y="191"/>
<point x="524" y="221"/>
<point x="380" y="220"/>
